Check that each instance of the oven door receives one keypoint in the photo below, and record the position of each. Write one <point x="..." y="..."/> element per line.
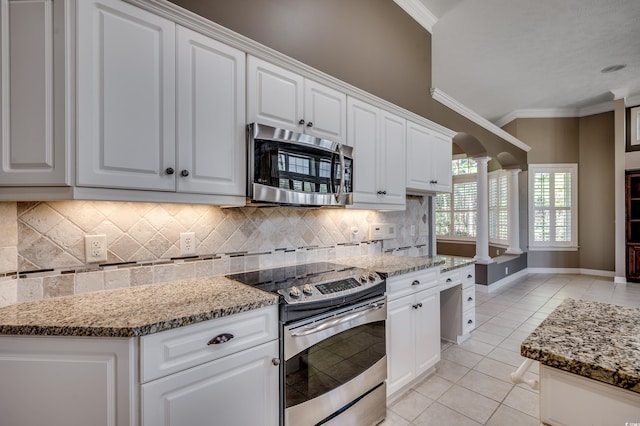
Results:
<point x="334" y="362"/>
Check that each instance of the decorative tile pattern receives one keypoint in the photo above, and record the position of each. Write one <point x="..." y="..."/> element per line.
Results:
<point x="51" y="234"/>
<point x="41" y="240"/>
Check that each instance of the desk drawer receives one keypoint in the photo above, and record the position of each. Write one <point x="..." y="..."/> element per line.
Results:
<point x="468" y="298"/>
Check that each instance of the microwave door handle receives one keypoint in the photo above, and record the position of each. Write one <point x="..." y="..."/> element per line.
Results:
<point x="341" y="186"/>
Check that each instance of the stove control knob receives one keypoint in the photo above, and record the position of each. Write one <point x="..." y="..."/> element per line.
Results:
<point x="307" y="289"/>
<point x="294" y="292"/>
<point x="372" y="276"/>
<point x="364" y="278"/>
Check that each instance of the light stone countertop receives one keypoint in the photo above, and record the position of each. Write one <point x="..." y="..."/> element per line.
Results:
<point x="596" y="340"/>
<point x="391" y="265"/>
<point x="148" y="309"/>
<point x="135" y="311"/>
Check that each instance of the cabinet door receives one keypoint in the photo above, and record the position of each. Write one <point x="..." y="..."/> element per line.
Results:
<point x="441" y="156"/>
<point x="400" y="343"/>
<point x="62" y="381"/>
<point x="274" y="95"/>
<point x="325" y="112"/>
<point x="428" y="160"/>
<point x="237" y="390"/>
<point x="33" y="137"/>
<point x="363" y="135"/>
<point x="211" y="116"/>
<point x="392" y="158"/>
<point x="427" y="338"/>
<point x="126" y="97"/>
<point x="418" y="158"/>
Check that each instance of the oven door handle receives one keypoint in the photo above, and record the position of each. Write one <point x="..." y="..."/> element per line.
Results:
<point x="341" y="319"/>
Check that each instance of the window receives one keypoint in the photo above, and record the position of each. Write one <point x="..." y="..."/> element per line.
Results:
<point x="553" y="204"/>
<point x="498" y="207"/>
<point x="456" y="212"/>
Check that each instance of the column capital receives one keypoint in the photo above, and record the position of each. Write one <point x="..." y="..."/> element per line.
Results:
<point x="482" y="160"/>
<point x="513" y="171"/>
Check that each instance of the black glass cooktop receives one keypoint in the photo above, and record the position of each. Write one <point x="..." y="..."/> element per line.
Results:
<point x="284" y="277"/>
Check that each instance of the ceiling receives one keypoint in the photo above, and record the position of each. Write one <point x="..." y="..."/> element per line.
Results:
<point x="504" y="59"/>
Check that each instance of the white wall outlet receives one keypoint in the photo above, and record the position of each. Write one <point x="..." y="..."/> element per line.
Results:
<point x="412" y="230"/>
<point x="95" y="248"/>
<point x="506" y="270"/>
<point x="354" y="234"/>
<point x="382" y="231"/>
<point x="187" y="243"/>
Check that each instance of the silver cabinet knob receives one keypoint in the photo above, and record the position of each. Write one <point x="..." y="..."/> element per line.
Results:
<point x="310" y="124"/>
<point x="184" y="173"/>
<point x="301" y="122"/>
<point x="275" y="361"/>
<point x="169" y="171"/>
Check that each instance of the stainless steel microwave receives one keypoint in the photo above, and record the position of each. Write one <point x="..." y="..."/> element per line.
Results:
<point x="290" y="168"/>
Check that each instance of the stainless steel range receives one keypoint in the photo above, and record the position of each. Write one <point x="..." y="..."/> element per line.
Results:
<point x="332" y="342"/>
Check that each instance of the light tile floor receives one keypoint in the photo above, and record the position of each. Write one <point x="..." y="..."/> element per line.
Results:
<point x="471" y="385"/>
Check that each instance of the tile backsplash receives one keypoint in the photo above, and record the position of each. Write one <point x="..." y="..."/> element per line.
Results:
<point x="42" y="243"/>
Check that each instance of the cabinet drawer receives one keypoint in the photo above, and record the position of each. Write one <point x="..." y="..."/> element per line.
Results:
<point x="174" y="350"/>
<point x="450" y="278"/>
<point x="468" y="298"/>
<point x="468" y="276"/>
<point x="411" y="282"/>
<point x="468" y="321"/>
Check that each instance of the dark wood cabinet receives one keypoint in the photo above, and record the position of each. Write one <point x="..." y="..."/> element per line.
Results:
<point x="632" y="220"/>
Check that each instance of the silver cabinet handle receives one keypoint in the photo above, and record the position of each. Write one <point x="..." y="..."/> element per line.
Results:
<point x="469" y="299"/>
<point x="469" y="276"/>
<point x="415" y="282"/>
<point x="470" y="322"/>
<point x="220" y="338"/>
<point x="301" y="122"/>
<point x="275" y="361"/>
<point x="169" y="171"/>
<point x="310" y="124"/>
<point x="337" y="321"/>
<point x="184" y="173"/>
<point x="449" y="280"/>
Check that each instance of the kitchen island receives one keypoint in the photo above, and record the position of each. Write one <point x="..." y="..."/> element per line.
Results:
<point x="589" y="354"/>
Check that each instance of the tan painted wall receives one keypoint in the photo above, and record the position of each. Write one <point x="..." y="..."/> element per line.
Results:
<point x="371" y="44"/>
<point x="588" y="141"/>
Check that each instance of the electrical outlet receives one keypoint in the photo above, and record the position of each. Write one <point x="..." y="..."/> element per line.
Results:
<point x="95" y="248"/>
<point x="187" y="243"/>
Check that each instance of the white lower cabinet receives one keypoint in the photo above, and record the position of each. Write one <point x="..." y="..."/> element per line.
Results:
<point x="62" y="381"/>
<point x="413" y="328"/>
<point x="218" y="372"/>
<point x="239" y="389"/>
<point x="458" y="304"/>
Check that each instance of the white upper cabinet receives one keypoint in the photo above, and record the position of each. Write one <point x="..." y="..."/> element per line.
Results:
<point x="378" y="138"/>
<point x="281" y="98"/>
<point x="428" y="160"/>
<point x="131" y="65"/>
<point x="126" y="97"/>
<point x="33" y="150"/>
<point x="211" y="116"/>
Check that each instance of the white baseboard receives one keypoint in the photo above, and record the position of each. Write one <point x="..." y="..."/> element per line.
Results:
<point x="579" y="271"/>
<point x="501" y="283"/>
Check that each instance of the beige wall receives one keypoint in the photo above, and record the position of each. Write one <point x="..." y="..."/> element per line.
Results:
<point x="589" y="142"/>
<point x="371" y="44"/>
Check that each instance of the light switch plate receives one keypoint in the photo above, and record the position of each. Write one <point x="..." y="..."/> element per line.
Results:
<point x="382" y="231"/>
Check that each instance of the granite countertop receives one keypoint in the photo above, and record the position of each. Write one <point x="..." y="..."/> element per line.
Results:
<point x="595" y="340"/>
<point x="391" y="265"/>
<point x="452" y="262"/>
<point x="135" y="311"/>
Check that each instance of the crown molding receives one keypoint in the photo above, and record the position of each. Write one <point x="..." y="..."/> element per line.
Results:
<point x="633" y="100"/>
<point x="419" y="12"/>
<point x="448" y="101"/>
<point x="555" y="112"/>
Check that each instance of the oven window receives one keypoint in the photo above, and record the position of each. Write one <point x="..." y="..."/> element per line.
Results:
<point x="333" y="362"/>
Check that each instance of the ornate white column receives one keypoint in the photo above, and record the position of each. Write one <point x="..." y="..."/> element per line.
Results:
<point x="482" y="223"/>
<point x="514" y="213"/>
